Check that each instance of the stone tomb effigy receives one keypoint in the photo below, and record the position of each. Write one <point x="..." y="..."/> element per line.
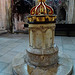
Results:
<point x="42" y="57"/>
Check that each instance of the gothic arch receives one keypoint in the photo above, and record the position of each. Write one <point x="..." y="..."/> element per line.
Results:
<point x="62" y="12"/>
<point x="64" y="5"/>
<point x="39" y="39"/>
<point x="48" y="39"/>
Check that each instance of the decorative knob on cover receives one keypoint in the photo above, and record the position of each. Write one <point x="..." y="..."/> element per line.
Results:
<point x="42" y="8"/>
<point x="42" y="13"/>
<point x="41" y="0"/>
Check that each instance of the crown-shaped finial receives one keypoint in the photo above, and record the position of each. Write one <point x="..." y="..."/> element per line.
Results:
<point x="42" y="13"/>
<point x="41" y="0"/>
<point x="42" y="8"/>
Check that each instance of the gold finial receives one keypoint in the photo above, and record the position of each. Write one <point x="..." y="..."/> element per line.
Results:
<point x="42" y="13"/>
<point x="42" y="9"/>
<point x="41" y="0"/>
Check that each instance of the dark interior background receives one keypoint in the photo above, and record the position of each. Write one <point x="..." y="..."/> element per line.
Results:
<point x="61" y="29"/>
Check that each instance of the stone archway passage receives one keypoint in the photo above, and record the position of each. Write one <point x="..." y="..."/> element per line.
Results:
<point x="62" y="14"/>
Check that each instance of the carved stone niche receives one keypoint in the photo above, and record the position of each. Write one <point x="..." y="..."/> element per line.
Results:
<point x="62" y="13"/>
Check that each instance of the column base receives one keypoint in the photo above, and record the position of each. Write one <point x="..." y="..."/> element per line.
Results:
<point x="44" y="58"/>
<point x="20" y="66"/>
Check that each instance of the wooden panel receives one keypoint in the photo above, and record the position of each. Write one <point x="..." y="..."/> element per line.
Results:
<point x="69" y="29"/>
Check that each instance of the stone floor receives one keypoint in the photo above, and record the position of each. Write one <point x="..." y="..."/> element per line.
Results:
<point x="12" y="44"/>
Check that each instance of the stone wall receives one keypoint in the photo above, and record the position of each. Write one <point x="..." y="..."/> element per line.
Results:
<point x="69" y="6"/>
<point x="2" y="26"/>
<point x="4" y="10"/>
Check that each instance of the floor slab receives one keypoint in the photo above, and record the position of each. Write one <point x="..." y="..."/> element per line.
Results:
<point x="11" y="44"/>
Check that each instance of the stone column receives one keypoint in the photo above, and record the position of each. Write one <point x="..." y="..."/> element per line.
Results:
<point x="1" y="16"/>
<point x="42" y="51"/>
<point x="70" y="11"/>
<point x="41" y="35"/>
<point x="74" y="13"/>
